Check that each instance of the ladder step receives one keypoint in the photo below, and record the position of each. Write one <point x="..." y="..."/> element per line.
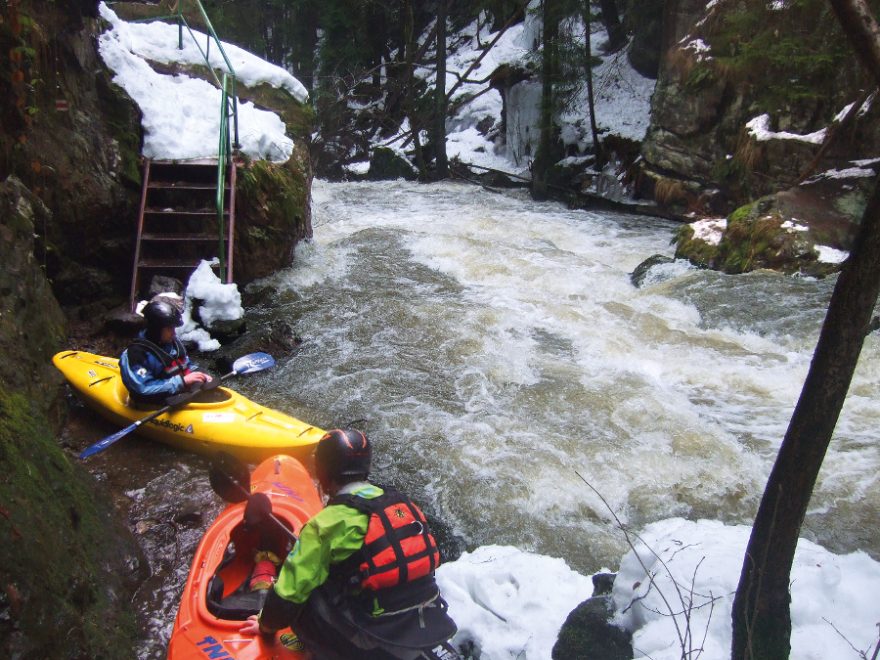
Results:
<point x="194" y="238"/>
<point x="171" y="212"/>
<point x="181" y="237"/>
<point x="183" y="185"/>
<point x="169" y="263"/>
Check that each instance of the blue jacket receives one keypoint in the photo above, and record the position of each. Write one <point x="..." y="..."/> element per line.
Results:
<point x="152" y="372"/>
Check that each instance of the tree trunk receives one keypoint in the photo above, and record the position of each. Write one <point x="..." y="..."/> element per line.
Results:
<point x="547" y="147"/>
<point x="377" y="33"/>
<point x="588" y="69"/>
<point x="414" y="121"/>
<point x="761" y="612"/>
<point x="440" y="95"/>
<point x="306" y="19"/>
<point x="611" y="19"/>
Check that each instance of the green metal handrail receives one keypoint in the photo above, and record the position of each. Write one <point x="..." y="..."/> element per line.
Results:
<point x="211" y="34"/>
<point x="181" y="22"/>
<point x="223" y="159"/>
<point x="224" y="152"/>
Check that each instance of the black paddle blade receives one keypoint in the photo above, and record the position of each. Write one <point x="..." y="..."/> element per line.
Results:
<point x="257" y="510"/>
<point x="229" y="478"/>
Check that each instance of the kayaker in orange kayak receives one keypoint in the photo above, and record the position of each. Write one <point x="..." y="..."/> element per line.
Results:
<point x="359" y="583"/>
<point x="156" y="365"/>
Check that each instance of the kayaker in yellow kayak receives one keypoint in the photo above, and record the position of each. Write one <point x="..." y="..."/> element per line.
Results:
<point x="156" y="365"/>
<point x="359" y="583"/>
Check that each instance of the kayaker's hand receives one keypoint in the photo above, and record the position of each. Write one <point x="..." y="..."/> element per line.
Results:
<point x="211" y="384"/>
<point x="195" y="377"/>
<point x="251" y="626"/>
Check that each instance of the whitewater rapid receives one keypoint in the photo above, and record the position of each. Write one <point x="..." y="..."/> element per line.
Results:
<point x="499" y="356"/>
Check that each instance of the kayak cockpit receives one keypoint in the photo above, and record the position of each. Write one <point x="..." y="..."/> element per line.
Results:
<point x="213" y="398"/>
<point x="250" y="564"/>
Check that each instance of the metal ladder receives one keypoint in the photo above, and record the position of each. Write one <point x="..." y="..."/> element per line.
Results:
<point x="178" y="221"/>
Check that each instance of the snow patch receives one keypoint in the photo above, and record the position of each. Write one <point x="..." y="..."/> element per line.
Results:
<point x="846" y="173"/>
<point x="792" y="226"/>
<point x="833" y="596"/>
<point x="217" y="302"/>
<point x="158" y="41"/>
<point x="701" y="49"/>
<point x="709" y="230"/>
<point x="498" y="603"/>
<point x="830" y="255"/>
<point x="360" y="168"/>
<point x="759" y="128"/>
<point x="181" y="115"/>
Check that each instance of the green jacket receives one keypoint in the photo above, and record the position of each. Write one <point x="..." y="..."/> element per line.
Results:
<point x="329" y="537"/>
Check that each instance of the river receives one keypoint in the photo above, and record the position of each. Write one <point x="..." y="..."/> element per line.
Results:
<point x="498" y="355"/>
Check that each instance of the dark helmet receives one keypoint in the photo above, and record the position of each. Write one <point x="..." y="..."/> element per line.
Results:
<point x="344" y="453"/>
<point x="162" y="314"/>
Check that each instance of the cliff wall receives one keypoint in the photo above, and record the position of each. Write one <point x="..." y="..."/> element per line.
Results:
<point x="728" y="64"/>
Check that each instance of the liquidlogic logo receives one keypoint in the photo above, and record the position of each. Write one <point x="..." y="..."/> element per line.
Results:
<point x="172" y="426"/>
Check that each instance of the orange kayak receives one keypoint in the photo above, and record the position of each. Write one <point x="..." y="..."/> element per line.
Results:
<point x="220" y="591"/>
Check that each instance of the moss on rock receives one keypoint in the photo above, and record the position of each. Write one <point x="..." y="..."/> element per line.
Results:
<point x="66" y="567"/>
<point x="697" y="251"/>
<point x="63" y="569"/>
<point x="773" y="232"/>
<point x="273" y="204"/>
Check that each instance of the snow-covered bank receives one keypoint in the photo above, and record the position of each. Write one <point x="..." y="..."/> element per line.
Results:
<point x="696" y="567"/>
<point x="511" y="603"/>
<point x="181" y="115"/>
<point x="622" y="99"/>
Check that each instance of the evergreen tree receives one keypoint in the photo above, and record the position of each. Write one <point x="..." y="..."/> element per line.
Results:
<point x="587" y="14"/>
<point x="440" y="93"/>
<point x="548" y="151"/>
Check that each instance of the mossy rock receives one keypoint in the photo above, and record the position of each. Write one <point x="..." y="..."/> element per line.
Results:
<point x="298" y="118"/>
<point x="123" y="120"/>
<point x="272" y="215"/>
<point x="781" y="232"/>
<point x="32" y="326"/>
<point x="386" y="164"/>
<point x="68" y="568"/>
<point x="704" y="98"/>
<point x="764" y="235"/>
<point x="697" y="251"/>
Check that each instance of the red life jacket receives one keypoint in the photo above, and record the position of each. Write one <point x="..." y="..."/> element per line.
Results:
<point x="171" y="366"/>
<point x="398" y="547"/>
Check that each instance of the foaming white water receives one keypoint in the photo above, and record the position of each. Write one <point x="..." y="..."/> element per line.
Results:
<point x="501" y="356"/>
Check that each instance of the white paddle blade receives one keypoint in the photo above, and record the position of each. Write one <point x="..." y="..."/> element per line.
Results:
<point x="252" y="362"/>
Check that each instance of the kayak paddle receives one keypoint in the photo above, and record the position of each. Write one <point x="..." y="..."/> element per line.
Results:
<point x="246" y="364"/>
<point x="231" y="480"/>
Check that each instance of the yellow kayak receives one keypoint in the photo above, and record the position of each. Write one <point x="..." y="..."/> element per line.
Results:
<point x="229" y="421"/>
